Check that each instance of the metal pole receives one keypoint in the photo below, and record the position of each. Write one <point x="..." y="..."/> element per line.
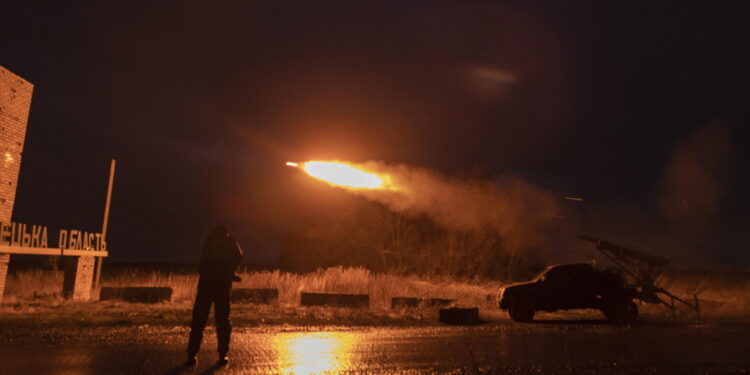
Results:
<point x="105" y="221"/>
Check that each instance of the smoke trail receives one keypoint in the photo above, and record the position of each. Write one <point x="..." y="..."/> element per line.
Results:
<point x="513" y="208"/>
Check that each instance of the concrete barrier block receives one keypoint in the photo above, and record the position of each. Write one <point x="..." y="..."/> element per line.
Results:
<point x="458" y="316"/>
<point x="257" y="296"/>
<point x="335" y="300"/>
<point x="136" y="294"/>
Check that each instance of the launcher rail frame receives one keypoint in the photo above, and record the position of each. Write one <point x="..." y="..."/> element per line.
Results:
<point x="648" y="291"/>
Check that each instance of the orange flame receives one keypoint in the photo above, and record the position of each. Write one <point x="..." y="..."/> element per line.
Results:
<point x="341" y="174"/>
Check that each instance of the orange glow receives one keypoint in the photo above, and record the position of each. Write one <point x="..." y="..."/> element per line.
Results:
<point x="292" y="164"/>
<point x="342" y="174"/>
<point x="314" y="353"/>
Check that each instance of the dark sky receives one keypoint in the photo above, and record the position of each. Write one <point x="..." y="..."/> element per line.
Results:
<point x="201" y="103"/>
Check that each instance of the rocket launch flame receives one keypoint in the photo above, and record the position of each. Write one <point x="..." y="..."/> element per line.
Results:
<point x="341" y="174"/>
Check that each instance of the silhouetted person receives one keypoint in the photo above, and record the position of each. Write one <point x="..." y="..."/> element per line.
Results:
<point x="220" y="257"/>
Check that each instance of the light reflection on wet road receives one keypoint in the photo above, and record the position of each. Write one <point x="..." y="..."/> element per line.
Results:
<point x="497" y="348"/>
<point x="315" y="352"/>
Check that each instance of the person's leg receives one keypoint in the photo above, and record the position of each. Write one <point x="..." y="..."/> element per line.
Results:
<point x="201" y="309"/>
<point x="223" y="325"/>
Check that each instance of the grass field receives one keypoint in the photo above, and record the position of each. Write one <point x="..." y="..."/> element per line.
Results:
<point x="36" y="290"/>
<point x="37" y="284"/>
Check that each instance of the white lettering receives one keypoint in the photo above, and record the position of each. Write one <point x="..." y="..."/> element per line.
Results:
<point x="36" y="232"/>
<point x="36" y="236"/>
<point x="15" y="235"/>
<point x="43" y="242"/>
<point x="63" y="239"/>
<point x="73" y="240"/>
<point x="26" y="240"/>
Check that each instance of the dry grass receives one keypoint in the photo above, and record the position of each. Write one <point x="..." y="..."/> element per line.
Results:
<point x="719" y="295"/>
<point x="380" y="287"/>
<point x="35" y="284"/>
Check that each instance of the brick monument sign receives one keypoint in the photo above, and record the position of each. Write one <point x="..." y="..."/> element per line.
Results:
<point x="16" y="238"/>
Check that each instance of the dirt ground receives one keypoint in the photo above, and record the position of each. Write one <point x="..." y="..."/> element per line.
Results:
<point x="560" y="343"/>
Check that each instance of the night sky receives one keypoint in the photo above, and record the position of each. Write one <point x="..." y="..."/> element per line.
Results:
<point x="201" y="103"/>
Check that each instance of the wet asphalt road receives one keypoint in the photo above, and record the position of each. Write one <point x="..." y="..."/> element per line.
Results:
<point x="501" y="347"/>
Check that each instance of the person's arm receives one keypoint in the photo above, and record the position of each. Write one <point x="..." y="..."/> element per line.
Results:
<point x="236" y="254"/>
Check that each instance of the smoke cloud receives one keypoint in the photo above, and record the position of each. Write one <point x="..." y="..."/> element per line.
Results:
<point x="694" y="194"/>
<point x="510" y="206"/>
<point x="693" y="186"/>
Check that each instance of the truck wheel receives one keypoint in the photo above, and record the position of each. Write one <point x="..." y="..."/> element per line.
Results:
<point x="521" y="312"/>
<point x="620" y="311"/>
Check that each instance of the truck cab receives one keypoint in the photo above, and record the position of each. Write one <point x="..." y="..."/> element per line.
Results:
<point x="567" y="287"/>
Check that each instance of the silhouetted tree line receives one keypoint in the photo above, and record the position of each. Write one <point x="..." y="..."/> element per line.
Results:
<point x="383" y="240"/>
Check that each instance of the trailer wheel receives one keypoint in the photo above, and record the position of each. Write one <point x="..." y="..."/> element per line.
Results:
<point x="521" y="312"/>
<point x="620" y="311"/>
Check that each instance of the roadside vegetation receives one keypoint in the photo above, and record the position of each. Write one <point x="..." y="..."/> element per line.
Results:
<point x="36" y="294"/>
<point x="39" y="291"/>
<point x="721" y="293"/>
